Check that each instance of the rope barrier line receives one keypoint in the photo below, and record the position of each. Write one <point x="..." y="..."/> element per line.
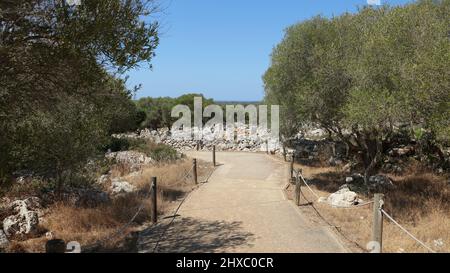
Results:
<point x="354" y="206"/>
<point x="298" y="174"/>
<point x="138" y="211"/>
<point x="209" y="175"/>
<point x="336" y="228"/>
<point x="406" y="231"/>
<point x="187" y="174"/>
<point x="318" y="197"/>
<point x="311" y="190"/>
<point x="126" y="225"/>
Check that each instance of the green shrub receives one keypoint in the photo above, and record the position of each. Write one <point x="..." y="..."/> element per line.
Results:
<point x="117" y="144"/>
<point x="157" y="151"/>
<point x="138" y="144"/>
<point x="163" y="153"/>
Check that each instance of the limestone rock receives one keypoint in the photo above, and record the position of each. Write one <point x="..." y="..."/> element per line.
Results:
<point x="343" y="198"/>
<point x="380" y="183"/>
<point x="120" y="187"/>
<point x="376" y="183"/>
<point x="132" y="158"/>
<point x="103" y="179"/>
<point x="3" y="240"/>
<point x="25" y="220"/>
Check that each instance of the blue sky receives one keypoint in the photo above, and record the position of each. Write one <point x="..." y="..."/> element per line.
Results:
<point x="221" y="48"/>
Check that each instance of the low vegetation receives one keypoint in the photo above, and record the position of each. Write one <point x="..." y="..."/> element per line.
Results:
<point x="420" y="203"/>
<point x="158" y="110"/>
<point x="96" y="227"/>
<point x="376" y="80"/>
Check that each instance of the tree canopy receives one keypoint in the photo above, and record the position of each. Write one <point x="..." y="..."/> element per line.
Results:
<point x="362" y="75"/>
<point x="61" y="93"/>
<point x="158" y="110"/>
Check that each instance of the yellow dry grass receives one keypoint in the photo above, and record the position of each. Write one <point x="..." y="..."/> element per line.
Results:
<point x="420" y="203"/>
<point x="91" y="225"/>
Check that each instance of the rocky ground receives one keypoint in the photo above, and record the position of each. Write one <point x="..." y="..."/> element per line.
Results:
<point x="24" y="216"/>
<point x="260" y="142"/>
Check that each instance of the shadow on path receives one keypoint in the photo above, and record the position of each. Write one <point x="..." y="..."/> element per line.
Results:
<point x="189" y="235"/>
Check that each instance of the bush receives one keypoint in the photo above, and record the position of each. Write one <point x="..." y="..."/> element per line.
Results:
<point x="157" y="151"/>
<point x="360" y="76"/>
<point x="155" y="113"/>
<point x="163" y="153"/>
<point x="117" y="145"/>
<point x="62" y="91"/>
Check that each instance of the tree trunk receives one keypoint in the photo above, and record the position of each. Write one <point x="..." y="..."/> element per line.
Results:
<point x="372" y="159"/>
<point x="59" y="183"/>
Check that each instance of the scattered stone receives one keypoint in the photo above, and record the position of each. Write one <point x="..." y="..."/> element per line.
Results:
<point x="343" y="198"/>
<point x="133" y="158"/>
<point x="438" y="243"/>
<point x="103" y="179"/>
<point x="33" y="203"/>
<point x="134" y="174"/>
<point x="3" y="240"/>
<point x="49" y="235"/>
<point x="25" y="221"/>
<point x="119" y="187"/>
<point x="183" y="141"/>
<point x="4" y="203"/>
<point x="315" y="134"/>
<point x="380" y="183"/>
<point x="334" y="161"/>
<point x="398" y="169"/>
<point x="355" y="183"/>
<point x="376" y="183"/>
<point x="408" y="150"/>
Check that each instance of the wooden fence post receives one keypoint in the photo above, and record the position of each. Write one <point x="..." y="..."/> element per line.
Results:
<point x="291" y="170"/>
<point x="55" y="246"/>
<point x="377" y="227"/>
<point x="154" y="201"/>
<point x="297" y="189"/>
<point x="214" y="155"/>
<point x="194" y="162"/>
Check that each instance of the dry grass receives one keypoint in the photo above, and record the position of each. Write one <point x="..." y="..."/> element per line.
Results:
<point x="89" y="225"/>
<point x="420" y="203"/>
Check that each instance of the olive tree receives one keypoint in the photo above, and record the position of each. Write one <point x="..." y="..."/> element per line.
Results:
<point x="60" y="92"/>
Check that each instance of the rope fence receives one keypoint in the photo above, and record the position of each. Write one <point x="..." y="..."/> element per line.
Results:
<point x="299" y="176"/>
<point x="406" y="231"/>
<point x="121" y="229"/>
<point x="175" y="213"/>
<point x="378" y="213"/>
<point x="151" y="192"/>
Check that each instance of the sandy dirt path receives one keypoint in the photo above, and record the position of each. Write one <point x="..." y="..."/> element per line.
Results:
<point x="241" y="209"/>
